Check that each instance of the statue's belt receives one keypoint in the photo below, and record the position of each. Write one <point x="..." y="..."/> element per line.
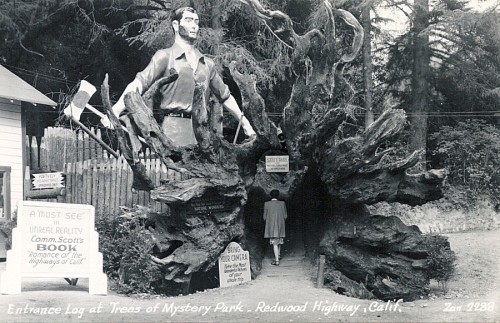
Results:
<point x="179" y="115"/>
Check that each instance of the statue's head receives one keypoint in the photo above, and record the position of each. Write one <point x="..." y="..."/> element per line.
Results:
<point x="185" y="23"/>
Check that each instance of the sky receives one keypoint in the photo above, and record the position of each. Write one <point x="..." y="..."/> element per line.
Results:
<point x="399" y="20"/>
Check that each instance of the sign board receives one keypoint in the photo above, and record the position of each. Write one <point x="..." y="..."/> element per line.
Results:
<point x="48" y="180"/>
<point x="234" y="266"/>
<point x="276" y="164"/>
<point x="207" y="204"/>
<point x="54" y="240"/>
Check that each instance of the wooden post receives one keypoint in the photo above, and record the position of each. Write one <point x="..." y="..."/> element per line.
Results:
<point x="321" y="271"/>
<point x="186" y="285"/>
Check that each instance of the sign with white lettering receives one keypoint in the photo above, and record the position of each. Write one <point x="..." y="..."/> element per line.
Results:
<point x="54" y="240"/>
<point x="277" y="164"/>
<point x="234" y="266"/>
<point x="207" y="204"/>
<point x="48" y="180"/>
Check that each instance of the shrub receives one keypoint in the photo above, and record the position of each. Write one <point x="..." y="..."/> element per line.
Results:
<point x="126" y="246"/>
<point x="469" y="151"/>
<point x="6" y="229"/>
<point x="441" y="262"/>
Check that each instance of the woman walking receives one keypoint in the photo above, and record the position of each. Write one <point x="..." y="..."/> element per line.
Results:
<point x="275" y="216"/>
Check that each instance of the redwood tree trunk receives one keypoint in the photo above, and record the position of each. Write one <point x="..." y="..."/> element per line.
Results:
<point x="420" y="79"/>
<point x="367" y="64"/>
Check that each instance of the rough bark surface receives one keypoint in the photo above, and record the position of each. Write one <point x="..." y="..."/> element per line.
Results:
<point x="379" y="255"/>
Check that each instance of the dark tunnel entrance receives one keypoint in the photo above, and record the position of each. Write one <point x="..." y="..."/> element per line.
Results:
<point x="307" y="208"/>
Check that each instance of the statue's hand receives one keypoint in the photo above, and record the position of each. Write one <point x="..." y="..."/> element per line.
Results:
<point x="106" y="122"/>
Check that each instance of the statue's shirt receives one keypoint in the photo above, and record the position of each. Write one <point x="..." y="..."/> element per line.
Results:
<point x="178" y="95"/>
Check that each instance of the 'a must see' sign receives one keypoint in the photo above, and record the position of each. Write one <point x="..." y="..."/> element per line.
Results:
<point x="54" y="240"/>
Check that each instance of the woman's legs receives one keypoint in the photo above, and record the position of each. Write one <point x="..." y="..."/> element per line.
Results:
<point x="276" y="249"/>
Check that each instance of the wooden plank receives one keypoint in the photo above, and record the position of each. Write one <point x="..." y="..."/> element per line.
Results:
<point x="60" y="147"/>
<point x="44" y="152"/>
<point x="79" y="146"/>
<point x="92" y="145"/>
<point x="107" y="187"/>
<point x="157" y="177"/>
<point x="52" y="150"/>
<point x="147" y="166"/>
<point x="83" y="189"/>
<point x="98" y="147"/>
<point x="55" y="151"/>
<point x="69" y="182"/>
<point x="147" y="196"/>
<point x="67" y="146"/>
<point x="166" y="174"/>
<point x="63" y="135"/>
<point x="88" y="179"/>
<point x="152" y="176"/>
<point x="30" y="157"/>
<point x="86" y="146"/>
<point x="44" y="156"/>
<point x="124" y="187"/>
<point x="74" y="183"/>
<point x="141" y="195"/>
<point x="135" y="194"/>
<point x="79" y="182"/>
<point x="118" y="185"/>
<point x="95" y="180"/>
<point x="46" y="138"/>
<point x="130" y="194"/>
<point x="71" y="144"/>
<point x="34" y="153"/>
<point x="101" y="187"/>
<point x="112" y="185"/>
<point x="27" y="151"/>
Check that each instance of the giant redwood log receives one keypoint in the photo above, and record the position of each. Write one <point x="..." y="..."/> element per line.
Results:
<point x="379" y="255"/>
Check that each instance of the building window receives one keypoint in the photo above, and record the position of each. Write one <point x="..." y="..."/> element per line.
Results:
<point x="4" y="193"/>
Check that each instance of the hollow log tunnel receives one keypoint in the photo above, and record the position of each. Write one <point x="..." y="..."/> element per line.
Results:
<point x="308" y="211"/>
<point x="368" y="256"/>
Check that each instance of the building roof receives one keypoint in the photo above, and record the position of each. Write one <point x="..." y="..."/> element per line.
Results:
<point x="14" y="88"/>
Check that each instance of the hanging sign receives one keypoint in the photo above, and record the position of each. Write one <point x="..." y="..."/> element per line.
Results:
<point x="277" y="164"/>
<point x="48" y="180"/>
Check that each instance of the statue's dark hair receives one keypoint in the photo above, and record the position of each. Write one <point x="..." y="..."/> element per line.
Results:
<point x="177" y="14"/>
<point x="275" y="194"/>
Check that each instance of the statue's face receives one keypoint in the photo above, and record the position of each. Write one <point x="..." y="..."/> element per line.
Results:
<point x="188" y="26"/>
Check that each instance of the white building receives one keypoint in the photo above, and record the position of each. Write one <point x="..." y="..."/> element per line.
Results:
<point x="14" y="95"/>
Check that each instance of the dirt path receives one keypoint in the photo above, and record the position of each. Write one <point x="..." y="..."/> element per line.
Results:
<point x="280" y="294"/>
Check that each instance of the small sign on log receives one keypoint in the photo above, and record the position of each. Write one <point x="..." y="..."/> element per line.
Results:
<point x="234" y="266"/>
<point x="54" y="240"/>
<point x="48" y="180"/>
<point x="278" y="164"/>
<point x="207" y="204"/>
